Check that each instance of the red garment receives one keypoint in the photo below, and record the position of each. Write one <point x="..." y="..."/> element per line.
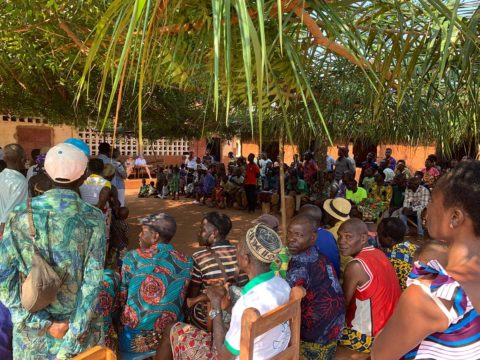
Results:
<point x="373" y="303"/>
<point x="251" y="174"/>
<point x="310" y="168"/>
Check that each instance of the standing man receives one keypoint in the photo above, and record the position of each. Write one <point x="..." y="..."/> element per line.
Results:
<point x="263" y="164"/>
<point x="191" y="161"/>
<point x="70" y="236"/>
<point x="118" y="181"/>
<point x="13" y="185"/>
<point x="343" y="163"/>
<point x="391" y="162"/>
<point x="252" y="172"/>
<point x="310" y="168"/>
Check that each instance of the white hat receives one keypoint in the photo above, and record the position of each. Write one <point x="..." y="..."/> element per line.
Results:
<point x="65" y="163"/>
<point x="339" y="208"/>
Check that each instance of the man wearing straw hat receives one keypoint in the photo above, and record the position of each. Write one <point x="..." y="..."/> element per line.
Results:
<point x="264" y="291"/>
<point x="338" y="211"/>
<point x="69" y="235"/>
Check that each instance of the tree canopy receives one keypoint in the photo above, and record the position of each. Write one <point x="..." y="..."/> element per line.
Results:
<point x="389" y="70"/>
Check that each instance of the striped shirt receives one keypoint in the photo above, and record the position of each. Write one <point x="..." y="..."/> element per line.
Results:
<point x="206" y="272"/>
<point x="461" y="340"/>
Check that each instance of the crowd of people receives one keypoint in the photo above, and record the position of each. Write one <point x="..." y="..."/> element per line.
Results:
<point x="67" y="281"/>
<point x="381" y="189"/>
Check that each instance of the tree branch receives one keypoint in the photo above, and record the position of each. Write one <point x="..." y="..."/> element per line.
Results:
<point x="83" y="48"/>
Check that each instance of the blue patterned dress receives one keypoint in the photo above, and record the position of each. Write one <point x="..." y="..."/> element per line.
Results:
<point x="152" y="292"/>
<point x="70" y="236"/>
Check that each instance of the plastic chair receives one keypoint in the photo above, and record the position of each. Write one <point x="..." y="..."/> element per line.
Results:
<point x="254" y="324"/>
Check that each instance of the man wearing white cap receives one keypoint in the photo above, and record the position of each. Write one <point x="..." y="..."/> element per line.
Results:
<point x="70" y="237"/>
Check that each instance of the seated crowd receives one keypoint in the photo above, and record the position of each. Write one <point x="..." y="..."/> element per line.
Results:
<point x="367" y="288"/>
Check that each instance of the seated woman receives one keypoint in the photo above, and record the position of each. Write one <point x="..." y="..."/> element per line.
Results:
<point x="153" y="287"/>
<point x="443" y="300"/>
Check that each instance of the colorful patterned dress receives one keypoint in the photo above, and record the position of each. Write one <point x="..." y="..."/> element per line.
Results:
<point x="152" y="292"/>
<point x="108" y="306"/>
<point x="461" y="340"/>
<point x="70" y="235"/>
<point x="401" y="257"/>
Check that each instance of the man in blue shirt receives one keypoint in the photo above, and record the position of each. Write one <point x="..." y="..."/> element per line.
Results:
<point x="325" y="242"/>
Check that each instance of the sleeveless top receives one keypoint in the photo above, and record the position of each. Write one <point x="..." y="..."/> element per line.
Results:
<point x="461" y="340"/>
<point x="91" y="188"/>
<point x="374" y="302"/>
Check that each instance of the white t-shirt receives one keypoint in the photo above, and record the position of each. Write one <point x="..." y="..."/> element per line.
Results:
<point x="264" y="293"/>
<point x="263" y="165"/>
<point x="13" y="191"/>
<point x="191" y="164"/>
<point x="140" y="162"/>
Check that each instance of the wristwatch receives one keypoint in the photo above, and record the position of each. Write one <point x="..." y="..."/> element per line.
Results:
<point x="214" y="313"/>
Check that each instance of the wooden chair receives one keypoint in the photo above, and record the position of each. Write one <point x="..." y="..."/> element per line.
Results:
<point x="254" y="324"/>
<point x="96" y="353"/>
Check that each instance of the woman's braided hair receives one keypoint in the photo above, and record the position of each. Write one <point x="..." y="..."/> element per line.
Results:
<point x="461" y="187"/>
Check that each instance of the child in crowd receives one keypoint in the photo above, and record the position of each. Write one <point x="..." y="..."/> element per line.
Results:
<point x="391" y="232"/>
<point x="152" y="190"/>
<point x="143" y="189"/>
<point x="369" y="179"/>
<point x="174" y="183"/>
<point x="183" y="179"/>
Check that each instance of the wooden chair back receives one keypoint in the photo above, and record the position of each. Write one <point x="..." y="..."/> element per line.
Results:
<point x="96" y="353"/>
<point x="254" y="324"/>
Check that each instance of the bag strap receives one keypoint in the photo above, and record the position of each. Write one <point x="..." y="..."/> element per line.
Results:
<point x="31" y="226"/>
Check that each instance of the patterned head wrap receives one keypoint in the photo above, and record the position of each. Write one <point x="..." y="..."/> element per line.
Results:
<point x="264" y="243"/>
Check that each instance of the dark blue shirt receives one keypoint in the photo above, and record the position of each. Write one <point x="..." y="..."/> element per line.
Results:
<point x="323" y="307"/>
<point x="327" y="245"/>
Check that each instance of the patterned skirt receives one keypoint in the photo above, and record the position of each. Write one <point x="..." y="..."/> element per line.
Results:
<point x="191" y="343"/>
<point x="311" y="351"/>
<point x="355" y="340"/>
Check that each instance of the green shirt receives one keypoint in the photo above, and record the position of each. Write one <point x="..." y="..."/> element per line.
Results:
<point x="280" y="265"/>
<point x="358" y="196"/>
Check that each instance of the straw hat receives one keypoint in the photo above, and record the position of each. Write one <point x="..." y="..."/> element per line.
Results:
<point x="339" y="208"/>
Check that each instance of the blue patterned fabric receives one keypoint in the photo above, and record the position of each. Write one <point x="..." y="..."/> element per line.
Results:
<point x="323" y="307"/>
<point x="70" y="235"/>
<point x="152" y="292"/>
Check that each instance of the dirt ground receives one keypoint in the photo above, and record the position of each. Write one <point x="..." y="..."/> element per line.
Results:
<point x="188" y="217"/>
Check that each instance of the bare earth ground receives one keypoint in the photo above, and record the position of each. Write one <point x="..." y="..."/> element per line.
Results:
<point x="188" y="217"/>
